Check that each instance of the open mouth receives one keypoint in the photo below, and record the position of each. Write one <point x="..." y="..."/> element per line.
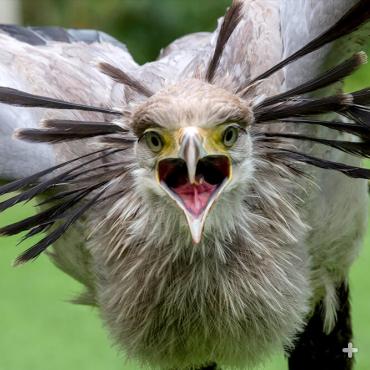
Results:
<point x="196" y="198"/>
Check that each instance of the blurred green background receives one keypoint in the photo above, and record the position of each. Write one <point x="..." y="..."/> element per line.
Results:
<point x="39" y="329"/>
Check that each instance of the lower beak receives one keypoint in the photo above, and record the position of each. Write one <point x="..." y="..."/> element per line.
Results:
<point x="196" y="221"/>
<point x="194" y="182"/>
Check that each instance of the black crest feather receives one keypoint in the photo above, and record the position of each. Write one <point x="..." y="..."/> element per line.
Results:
<point x="362" y="97"/>
<point x="230" y="22"/>
<point x="30" y="180"/>
<point x="302" y="107"/>
<point x="359" y="130"/>
<point x="351" y="171"/>
<point x="359" y="113"/>
<point x="50" y="182"/>
<point x="123" y="78"/>
<point x="66" y="206"/>
<point x="43" y="218"/>
<point x="43" y="244"/>
<point x="64" y="130"/>
<point x="330" y="77"/>
<point x="361" y="149"/>
<point x="22" y="99"/>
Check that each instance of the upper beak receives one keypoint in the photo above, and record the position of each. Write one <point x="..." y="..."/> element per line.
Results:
<point x="195" y="180"/>
<point x="191" y="151"/>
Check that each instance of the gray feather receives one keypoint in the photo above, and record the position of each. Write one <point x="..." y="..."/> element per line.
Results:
<point x="43" y="35"/>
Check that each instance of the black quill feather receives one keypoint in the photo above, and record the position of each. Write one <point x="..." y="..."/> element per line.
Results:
<point x="30" y="180"/>
<point x="359" y="113"/>
<point x="230" y="22"/>
<point x="301" y="107"/>
<point x="123" y="78"/>
<point x="58" y="130"/>
<point x="48" y="216"/>
<point x="351" y="171"/>
<point x="334" y="75"/>
<point x="22" y="99"/>
<point x="361" y="149"/>
<point x="352" y="128"/>
<point x="49" y="183"/>
<point x="43" y="244"/>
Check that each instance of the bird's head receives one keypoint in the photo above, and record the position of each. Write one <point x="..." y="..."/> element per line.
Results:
<point x="193" y="146"/>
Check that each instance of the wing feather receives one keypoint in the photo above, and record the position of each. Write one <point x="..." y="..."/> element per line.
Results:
<point x="44" y="35"/>
<point x="30" y="62"/>
<point x="61" y="64"/>
<point x="301" y="21"/>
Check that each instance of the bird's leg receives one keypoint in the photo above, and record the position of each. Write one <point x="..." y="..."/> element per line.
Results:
<point x="316" y="350"/>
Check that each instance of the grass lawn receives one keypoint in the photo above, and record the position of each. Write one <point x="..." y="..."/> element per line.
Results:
<point x="40" y="330"/>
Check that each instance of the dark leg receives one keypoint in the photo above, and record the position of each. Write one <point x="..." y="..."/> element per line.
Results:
<point x="316" y="350"/>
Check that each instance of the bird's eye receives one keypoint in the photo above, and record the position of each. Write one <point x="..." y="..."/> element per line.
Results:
<point x="154" y="141"/>
<point x="230" y="137"/>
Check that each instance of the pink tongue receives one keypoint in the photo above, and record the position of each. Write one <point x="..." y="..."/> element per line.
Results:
<point x="195" y="196"/>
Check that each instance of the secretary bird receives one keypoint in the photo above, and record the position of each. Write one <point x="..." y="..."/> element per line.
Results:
<point x="212" y="201"/>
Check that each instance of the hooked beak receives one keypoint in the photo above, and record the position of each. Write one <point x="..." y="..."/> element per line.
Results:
<point x="195" y="180"/>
